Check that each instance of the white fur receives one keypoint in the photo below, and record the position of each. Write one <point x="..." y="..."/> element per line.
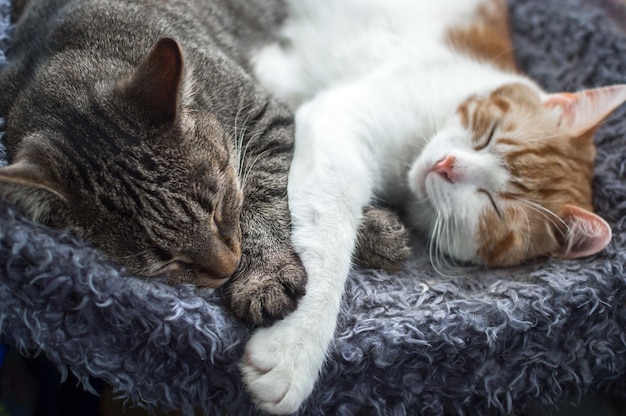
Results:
<point x="376" y="92"/>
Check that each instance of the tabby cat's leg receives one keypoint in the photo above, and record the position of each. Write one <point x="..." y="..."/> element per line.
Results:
<point x="270" y="279"/>
<point x="330" y="181"/>
<point x="382" y="241"/>
<point x="268" y="288"/>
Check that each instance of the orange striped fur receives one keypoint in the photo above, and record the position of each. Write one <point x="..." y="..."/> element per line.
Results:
<point x="551" y="164"/>
<point x="549" y="168"/>
<point x="486" y="36"/>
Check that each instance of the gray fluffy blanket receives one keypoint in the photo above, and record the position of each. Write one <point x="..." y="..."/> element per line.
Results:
<point x="486" y="342"/>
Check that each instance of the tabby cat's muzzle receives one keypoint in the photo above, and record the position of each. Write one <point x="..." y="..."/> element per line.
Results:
<point x="205" y="270"/>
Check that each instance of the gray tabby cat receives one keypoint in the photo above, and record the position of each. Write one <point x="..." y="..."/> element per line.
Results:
<point x="135" y="125"/>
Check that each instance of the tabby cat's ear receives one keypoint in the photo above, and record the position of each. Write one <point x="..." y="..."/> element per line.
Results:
<point x="585" y="110"/>
<point x="155" y="87"/>
<point x="25" y="184"/>
<point x="587" y="233"/>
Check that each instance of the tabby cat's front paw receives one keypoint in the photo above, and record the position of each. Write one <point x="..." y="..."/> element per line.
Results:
<point x="265" y="292"/>
<point x="382" y="241"/>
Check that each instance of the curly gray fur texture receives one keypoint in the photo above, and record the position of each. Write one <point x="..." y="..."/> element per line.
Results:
<point x="485" y="342"/>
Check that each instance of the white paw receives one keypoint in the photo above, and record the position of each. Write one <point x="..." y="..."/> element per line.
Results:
<point x="281" y="365"/>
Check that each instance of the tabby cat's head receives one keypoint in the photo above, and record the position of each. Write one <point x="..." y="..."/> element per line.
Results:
<point x="509" y="178"/>
<point x="129" y="167"/>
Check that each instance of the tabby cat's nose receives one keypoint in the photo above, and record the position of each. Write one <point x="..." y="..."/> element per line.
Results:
<point x="221" y="263"/>
<point x="228" y="261"/>
<point x="214" y="269"/>
<point x="214" y="264"/>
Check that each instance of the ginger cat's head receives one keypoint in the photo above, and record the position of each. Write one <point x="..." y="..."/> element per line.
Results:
<point x="509" y="177"/>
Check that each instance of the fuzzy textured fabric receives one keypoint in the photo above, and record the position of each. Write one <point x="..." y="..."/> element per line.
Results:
<point x="484" y="342"/>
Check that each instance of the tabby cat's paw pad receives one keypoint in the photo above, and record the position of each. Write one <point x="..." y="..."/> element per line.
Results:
<point x="278" y="371"/>
<point x="263" y="296"/>
<point x="383" y="241"/>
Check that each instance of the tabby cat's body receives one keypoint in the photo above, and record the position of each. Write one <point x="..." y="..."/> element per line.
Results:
<point x="419" y="104"/>
<point x="135" y="125"/>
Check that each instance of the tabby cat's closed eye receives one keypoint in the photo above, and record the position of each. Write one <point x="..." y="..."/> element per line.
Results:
<point x="135" y="126"/>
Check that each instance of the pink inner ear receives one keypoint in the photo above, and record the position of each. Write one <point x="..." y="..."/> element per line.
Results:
<point x="588" y="233"/>
<point x="582" y="111"/>
<point x="562" y="99"/>
<point x="566" y="102"/>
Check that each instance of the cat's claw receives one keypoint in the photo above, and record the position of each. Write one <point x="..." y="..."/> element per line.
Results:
<point x="279" y="368"/>
<point x="265" y="293"/>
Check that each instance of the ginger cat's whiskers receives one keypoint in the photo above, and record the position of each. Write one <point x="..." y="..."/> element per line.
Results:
<point x="439" y="260"/>
<point x="554" y="219"/>
<point x="437" y="257"/>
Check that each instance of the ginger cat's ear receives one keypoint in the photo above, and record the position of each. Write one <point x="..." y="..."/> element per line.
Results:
<point x="26" y="185"/>
<point x="582" y="111"/>
<point x="587" y="233"/>
<point x="155" y="87"/>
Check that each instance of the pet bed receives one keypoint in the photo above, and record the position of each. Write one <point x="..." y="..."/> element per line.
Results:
<point x="482" y="342"/>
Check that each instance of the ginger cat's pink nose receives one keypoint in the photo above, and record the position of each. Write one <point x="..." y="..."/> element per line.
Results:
<point x="445" y="168"/>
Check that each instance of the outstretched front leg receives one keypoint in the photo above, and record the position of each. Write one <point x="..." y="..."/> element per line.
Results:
<point x="330" y="181"/>
<point x="270" y="279"/>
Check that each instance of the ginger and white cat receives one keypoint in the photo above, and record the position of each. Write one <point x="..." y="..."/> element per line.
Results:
<point x="419" y="104"/>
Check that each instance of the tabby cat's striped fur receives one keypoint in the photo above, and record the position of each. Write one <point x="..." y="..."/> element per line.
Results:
<point x="135" y="125"/>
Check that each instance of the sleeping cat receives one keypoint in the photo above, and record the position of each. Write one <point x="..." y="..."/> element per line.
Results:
<point x="135" y="125"/>
<point x="418" y="104"/>
<point x="129" y="124"/>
